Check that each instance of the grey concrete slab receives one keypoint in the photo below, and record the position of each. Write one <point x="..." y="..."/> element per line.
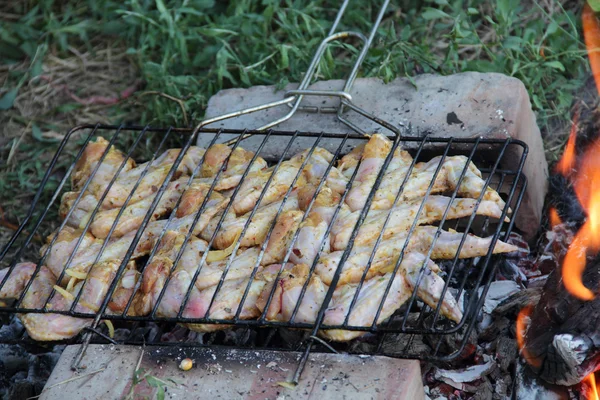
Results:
<point x="226" y="373"/>
<point x="463" y="105"/>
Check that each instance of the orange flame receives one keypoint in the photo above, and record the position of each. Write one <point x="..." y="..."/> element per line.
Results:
<point x="591" y="34"/>
<point x="522" y="325"/>
<point x="554" y="217"/>
<point x="567" y="162"/>
<point x="592" y="391"/>
<point x="587" y="239"/>
<point x="587" y="181"/>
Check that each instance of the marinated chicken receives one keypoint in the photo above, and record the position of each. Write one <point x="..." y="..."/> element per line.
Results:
<point x="253" y="228"/>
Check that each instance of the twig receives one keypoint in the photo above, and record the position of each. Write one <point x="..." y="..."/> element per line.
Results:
<point x="15" y="146"/>
<point x="67" y="381"/>
<point x="175" y="99"/>
<point x="137" y="367"/>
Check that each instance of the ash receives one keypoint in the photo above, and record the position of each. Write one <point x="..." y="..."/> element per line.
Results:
<point x="24" y="368"/>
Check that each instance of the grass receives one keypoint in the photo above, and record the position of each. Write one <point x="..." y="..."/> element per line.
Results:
<point x="60" y="57"/>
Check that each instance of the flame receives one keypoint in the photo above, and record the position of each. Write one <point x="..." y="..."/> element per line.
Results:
<point x="554" y="217"/>
<point x="567" y="162"/>
<point x="586" y="182"/>
<point x="587" y="240"/>
<point x="591" y="34"/>
<point x="592" y="392"/>
<point x="522" y="325"/>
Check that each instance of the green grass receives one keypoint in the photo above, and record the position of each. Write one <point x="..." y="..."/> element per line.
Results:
<point x="190" y="49"/>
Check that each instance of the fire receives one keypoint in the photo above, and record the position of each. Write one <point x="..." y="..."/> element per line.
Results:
<point x="567" y="162"/>
<point x="522" y="325"/>
<point x="592" y="391"/>
<point x="587" y="240"/>
<point x="554" y="217"/>
<point x="591" y="34"/>
<point x="586" y="180"/>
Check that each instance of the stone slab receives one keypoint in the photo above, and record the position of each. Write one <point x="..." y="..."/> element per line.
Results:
<point x="463" y="105"/>
<point x="232" y="374"/>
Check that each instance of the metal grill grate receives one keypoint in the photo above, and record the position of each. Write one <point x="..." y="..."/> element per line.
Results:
<point x="467" y="280"/>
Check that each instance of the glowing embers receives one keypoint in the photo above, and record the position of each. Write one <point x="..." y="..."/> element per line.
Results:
<point x="589" y="390"/>
<point x="523" y="320"/>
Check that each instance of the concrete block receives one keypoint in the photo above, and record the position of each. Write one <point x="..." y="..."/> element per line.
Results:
<point x="232" y="374"/>
<point x="463" y="105"/>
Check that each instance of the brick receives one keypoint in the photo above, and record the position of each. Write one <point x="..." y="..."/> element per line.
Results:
<point x="233" y="373"/>
<point x="463" y="105"/>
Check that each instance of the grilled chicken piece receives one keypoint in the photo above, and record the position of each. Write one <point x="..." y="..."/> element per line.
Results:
<point x="108" y="168"/>
<point x="232" y="226"/>
<point x="367" y="303"/>
<point x="157" y="271"/>
<point x="311" y="239"/>
<point x="445" y="182"/>
<point x="117" y="248"/>
<point x="388" y="251"/>
<point x="57" y="326"/>
<point x="124" y="184"/>
<point x="325" y="204"/>
<point x="431" y="286"/>
<point x="285" y="228"/>
<point x="161" y="265"/>
<point x="373" y="157"/>
<point x="124" y="291"/>
<point x="402" y="217"/>
<point x="348" y="163"/>
<point x="134" y="214"/>
<point x="81" y="212"/>
<point x="152" y="180"/>
<point x="64" y="246"/>
<point x="316" y="167"/>
<point x="239" y="161"/>
<point x="287" y="294"/>
<point x="254" y="183"/>
<point x="224" y="306"/>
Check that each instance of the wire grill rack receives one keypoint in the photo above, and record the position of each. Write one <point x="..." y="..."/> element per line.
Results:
<point x="465" y="280"/>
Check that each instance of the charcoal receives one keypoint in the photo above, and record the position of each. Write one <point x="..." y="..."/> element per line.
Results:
<point x="506" y="352"/>
<point x="495" y="328"/>
<point x="23" y="374"/>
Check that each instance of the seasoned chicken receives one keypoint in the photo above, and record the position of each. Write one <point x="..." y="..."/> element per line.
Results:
<point x="287" y="294"/>
<point x="281" y="238"/>
<point x="402" y="217"/>
<point x="348" y="163"/>
<point x="445" y="182"/>
<point x="58" y="326"/>
<point x="258" y="227"/>
<point x="224" y="306"/>
<point x="81" y="211"/>
<point x="234" y="168"/>
<point x="151" y="181"/>
<point x="117" y="248"/>
<point x="373" y="157"/>
<point x="325" y="204"/>
<point x="388" y="251"/>
<point x="161" y="265"/>
<point x="250" y="190"/>
<point x="133" y="215"/>
<point x="106" y="171"/>
<point x="124" y="290"/>
<point x="367" y="303"/>
<point x="316" y="167"/>
<point x="311" y="239"/>
<point x="64" y="246"/>
<point x="431" y="286"/>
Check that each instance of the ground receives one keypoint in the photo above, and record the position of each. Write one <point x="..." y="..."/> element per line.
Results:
<point x="139" y="61"/>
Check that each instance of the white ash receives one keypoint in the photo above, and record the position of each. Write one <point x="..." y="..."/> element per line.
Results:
<point x="498" y="292"/>
<point x="572" y="350"/>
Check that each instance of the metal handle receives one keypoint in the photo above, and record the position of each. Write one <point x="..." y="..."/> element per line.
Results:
<point x="293" y="98"/>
